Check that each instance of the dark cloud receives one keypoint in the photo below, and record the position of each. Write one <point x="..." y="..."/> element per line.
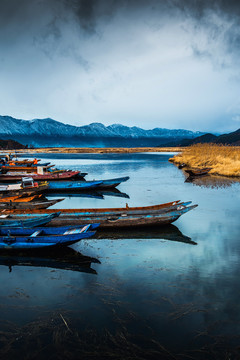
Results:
<point x="104" y="49"/>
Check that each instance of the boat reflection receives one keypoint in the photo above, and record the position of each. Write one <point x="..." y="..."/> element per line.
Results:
<point x="168" y="232"/>
<point x="59" y="258"/>
<point x="113" y="192"/>
<point x="81" y="194"/>
<point x="91" y="194"/>
<point x="212" y="181"/>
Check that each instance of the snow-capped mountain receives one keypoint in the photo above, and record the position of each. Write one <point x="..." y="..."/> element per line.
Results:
<point x="35" y="131"/>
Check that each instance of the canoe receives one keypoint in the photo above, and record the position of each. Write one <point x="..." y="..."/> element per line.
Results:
<point x="13" y="221"/>
<point x="103" y="211"/>
<point x="83" y="185"/>
<point x="38" y="240"/>
<point x="36" y="190"/>
<point x="197" y="172"/>
<point x="41" y="204"/>
<point x="72" y="185"/>
<point x="125" y="220"/>
<point x="115" y="218"/>
<point x="18" y="198"/>
<point x="17" y="176"/>
<point x="23" y="168"/>
<point x="46" y="230"/>
<point x="111" y="183"/>
<point x="27" y="187"/>
<point x="64" y="258"/>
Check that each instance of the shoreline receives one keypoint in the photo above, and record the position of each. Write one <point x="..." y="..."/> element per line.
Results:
<point x="80" y="150"/>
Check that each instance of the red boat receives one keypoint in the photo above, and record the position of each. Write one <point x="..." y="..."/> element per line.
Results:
<point x="64" y="175"/>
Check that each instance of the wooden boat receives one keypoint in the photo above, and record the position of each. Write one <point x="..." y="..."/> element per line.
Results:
<point x="111" y="183"/>
<point x="27" y="163"/>
<point x="23" y="168"/>
<point x="126" y="220"/>
<point x="26" y="187"/>
<point x="72" y="185"/>
<point x="197" y="172"/>
<point x="38" y="239"/>
<point x="105" y="211"/>
<point x="41" y="204"/>
<point x="64" y="258"/>
<point x="17" y="176"/>
<point x="83" y="185"/>
<point x="121" y="217"/>
<point x="19" y="198"/>
<point x="47" y="230"/>
<point x="13" y="221"/>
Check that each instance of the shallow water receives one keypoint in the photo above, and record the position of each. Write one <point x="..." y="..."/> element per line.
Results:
<point x="167" y="293"/>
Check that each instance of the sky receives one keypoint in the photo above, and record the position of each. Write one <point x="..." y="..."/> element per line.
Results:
<point x="147" y="63"/>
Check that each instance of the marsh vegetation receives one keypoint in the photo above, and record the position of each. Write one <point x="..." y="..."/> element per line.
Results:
<point x="223" y="160"/>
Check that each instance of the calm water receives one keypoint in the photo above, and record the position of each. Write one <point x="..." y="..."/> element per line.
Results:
<point x="167" y="293"/>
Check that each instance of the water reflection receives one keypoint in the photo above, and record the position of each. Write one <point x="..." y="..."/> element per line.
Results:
<point x="155" y="296"/>
<point x="169" y="232"/>
<point x="59" y="258"/>
<point x="212" y="181"/>
<point x="99" y="194"/>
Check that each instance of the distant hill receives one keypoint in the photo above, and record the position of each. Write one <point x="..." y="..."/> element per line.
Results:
<point x="49" y="132"/>
<point x="10" y="145"/>
<point x="232" y="138"/>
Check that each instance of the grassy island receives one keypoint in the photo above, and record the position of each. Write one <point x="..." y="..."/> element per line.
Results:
<point x="223" y="160"/>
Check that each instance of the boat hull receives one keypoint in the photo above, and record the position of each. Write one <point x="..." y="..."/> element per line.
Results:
<point x="126" y="221"/>
<point x="197" y="172"/>
<point x="28" y="242"/>
<point x="40" y="177"/>
<point x="112" y="183"/>
<point x="72" y="186"/>
<point x="28" y="222"/>
<point x="24" y="191"/>
<point x="46" y="230"/>
<point x="157" y="215"/>
<point x="29" y="205"/>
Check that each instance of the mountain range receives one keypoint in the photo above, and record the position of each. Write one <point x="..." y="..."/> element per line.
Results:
<point x="52" y="133"/>
<point x="49" y="132"/>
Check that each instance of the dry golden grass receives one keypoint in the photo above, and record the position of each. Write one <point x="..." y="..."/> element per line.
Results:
<point x="67" y="150"/>
<point x="224" y="160"/>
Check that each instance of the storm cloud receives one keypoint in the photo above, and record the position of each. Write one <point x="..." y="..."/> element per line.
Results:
<point x="148" y="63"/>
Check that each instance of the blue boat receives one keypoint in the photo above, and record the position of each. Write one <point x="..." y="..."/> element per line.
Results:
<point x="84" y="185"/>
<point x="38" y="239"/>
<point x="10" y="221"/>
<point x="112" y="183"/>
<point x="72" y="185"/>
<point x="17" y="231"/>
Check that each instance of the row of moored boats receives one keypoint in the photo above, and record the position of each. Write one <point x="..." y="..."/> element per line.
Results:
<point x="24" y="211"/>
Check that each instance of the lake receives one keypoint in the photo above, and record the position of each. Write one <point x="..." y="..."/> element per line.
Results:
<point x="162" y="293"/>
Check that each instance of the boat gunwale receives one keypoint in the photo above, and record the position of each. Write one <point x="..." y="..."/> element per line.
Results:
<point x="97" y="210"/>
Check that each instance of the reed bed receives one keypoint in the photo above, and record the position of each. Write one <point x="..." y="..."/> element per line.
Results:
<point x="223" y="160"/>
